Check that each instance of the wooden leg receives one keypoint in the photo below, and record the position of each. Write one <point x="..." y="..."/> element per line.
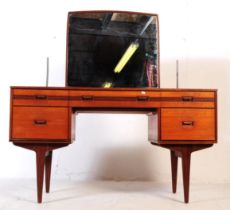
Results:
<point x="174" y="164"/>
<point x="40" y="159"/>
<point x="44" y="162"/>
<point x="48" y="164"/>
<point x="184" y="152"/>
<point x="186" y="156"/>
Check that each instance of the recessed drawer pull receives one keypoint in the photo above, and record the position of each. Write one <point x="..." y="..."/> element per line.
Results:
<point x="41" y="97"/>
<point x="87" y="98"/>
<point x="187" y="98"/>
<point x="142" y="98"/>
<point x="187" y="123"/>
<point x="40" y="122"/>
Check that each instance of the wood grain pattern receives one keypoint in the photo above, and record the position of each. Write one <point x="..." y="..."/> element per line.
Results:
<point x="193" y="93"/>
<point x="185" y="98"/>
<point x="141" y="99"/>
<point x="123" y="99"/>
<point x="52" y="123"/>
<point x="187" y="124"/>
<point x="113" y="99"/>
<point x="181" y="120"/>
<point x="38" y="97"/>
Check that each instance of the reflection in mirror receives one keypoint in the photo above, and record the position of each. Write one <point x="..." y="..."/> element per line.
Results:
<point x="112" y="49"/>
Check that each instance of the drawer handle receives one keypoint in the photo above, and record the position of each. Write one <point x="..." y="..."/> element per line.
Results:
<point x="187" y="98"/>
<point x="41" y="97"/>
<point x="87" y="98"/>
<point x="187" y="123"/>
<point x="142" y="98"/>
<point x="40" y="122"/>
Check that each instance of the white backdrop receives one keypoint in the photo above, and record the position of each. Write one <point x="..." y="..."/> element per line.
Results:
<point x="112" y="146"/>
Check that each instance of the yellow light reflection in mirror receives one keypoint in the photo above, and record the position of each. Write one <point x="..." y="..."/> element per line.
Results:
<point x="126" y="56"/>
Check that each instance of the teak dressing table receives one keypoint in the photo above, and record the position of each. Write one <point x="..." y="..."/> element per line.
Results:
<point x="182" y="120"/>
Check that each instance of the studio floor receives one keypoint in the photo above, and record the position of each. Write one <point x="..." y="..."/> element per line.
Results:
<point x="111" y="195"/>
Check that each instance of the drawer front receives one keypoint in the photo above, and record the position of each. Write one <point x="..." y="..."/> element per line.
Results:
<point x="115" y="99"/>
<point x="200" y="99"/>
<point x="188" y="124"/>
<point x="40" y="97"/>
<point x="40" y="123"/>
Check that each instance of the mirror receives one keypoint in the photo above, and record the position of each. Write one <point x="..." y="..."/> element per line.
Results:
<point x="112" y="49"/>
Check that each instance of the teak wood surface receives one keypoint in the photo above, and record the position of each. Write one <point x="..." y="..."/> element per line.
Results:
<point x="181" y="120"/>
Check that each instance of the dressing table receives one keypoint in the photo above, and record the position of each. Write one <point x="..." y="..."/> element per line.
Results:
<point x="112" y="64"/>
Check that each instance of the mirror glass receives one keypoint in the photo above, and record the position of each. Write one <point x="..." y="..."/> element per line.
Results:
<point x="112" y="49"/>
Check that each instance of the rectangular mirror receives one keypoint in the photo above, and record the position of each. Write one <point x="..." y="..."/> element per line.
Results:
<point x="110" y="49"/>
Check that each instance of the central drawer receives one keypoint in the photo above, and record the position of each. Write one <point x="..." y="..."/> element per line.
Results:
<point x="40" y="123"/>
<point x="114" y="98"/>
<point x="188" y="124"/>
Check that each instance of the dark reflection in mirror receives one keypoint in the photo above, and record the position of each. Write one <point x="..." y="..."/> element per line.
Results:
<point x="112" y="49"/>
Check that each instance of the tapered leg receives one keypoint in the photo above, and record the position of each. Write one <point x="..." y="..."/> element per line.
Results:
<point x="184" y="152"/>
<point x="48" y="164"/>
<point x="44" y="161"/>
<point x="186" y="156"/>
<point x="174" y="164"/>
<point x="40" y="158"/>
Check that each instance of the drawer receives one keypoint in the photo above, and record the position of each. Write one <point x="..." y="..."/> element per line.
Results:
<point x="206" y="99"/>
<point x="188" y="124"/>
<point x="40" y="123"/>
<point x="40" y="97"/>
<point x="114" y="98"/>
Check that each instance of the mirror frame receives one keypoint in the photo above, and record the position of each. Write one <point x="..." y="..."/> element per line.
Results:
<point x="71" y="13"/>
